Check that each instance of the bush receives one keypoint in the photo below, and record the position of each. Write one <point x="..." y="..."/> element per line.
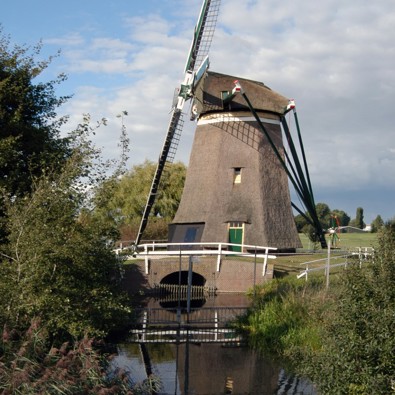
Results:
<point x="342" y="339"/>
<point x="358" y="342"/>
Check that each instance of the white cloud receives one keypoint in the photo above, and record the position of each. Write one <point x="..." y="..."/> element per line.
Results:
<point x="334" y="57"/>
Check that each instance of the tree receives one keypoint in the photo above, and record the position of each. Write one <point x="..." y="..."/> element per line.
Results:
<point x="324" y="214"/>
<point x="129" y="195"/>
<point x="59" y="279"/>
<point x="29" y="128"/>
<point x="377" y="224"/>
<point x="359" y="218"/>
<point x="58" y="265"/>
<point x="300" y="222"/>
<point x="30" y="142"/>
<point x="357" y="222"/>
<point x="341" y="216"/>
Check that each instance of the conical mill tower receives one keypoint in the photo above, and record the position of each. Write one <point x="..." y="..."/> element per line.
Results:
<point x="236" y="189"/>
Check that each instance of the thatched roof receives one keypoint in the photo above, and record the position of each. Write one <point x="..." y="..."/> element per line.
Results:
<point x="209" y="99"/>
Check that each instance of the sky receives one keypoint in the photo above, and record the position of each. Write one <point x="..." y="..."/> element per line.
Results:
<point x="335" y="58"/>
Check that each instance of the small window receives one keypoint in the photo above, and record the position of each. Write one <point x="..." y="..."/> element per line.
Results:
<point x="237" y="175"/>
<point x="190" y="235"/>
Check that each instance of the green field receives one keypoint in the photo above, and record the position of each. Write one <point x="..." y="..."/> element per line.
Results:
<point x="347" y="240"/>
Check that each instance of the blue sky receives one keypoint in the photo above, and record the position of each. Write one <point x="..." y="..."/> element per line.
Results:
<point x="335" y="58"/>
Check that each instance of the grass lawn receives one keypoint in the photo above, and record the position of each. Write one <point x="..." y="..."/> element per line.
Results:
<point x="347" y="240"/>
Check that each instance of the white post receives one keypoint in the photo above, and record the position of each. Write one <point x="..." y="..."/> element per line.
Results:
<point x="265" y="261"/>
<point x="307" y="271"/>
<point x="146" y="259"/>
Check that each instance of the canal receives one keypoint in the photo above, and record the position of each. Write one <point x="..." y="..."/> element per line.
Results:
<point x="195" y="351"/>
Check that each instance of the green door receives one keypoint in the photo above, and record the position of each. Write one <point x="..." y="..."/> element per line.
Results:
<point x="235" y="237"/>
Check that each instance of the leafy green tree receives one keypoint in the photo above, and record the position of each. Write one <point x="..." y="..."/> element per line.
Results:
<point x="324" y="214"/>
<point x="341" y="216"/>
<point x="358" y="220"/>
<point x="59" y="278"/>
<point x="377" y="224"/>
<point x="125" y="206"/>
<point x="57" y="265"/>
<point x="300" y="222"/>
<point x="29" y="128"/>
<point x="30" y="143"/>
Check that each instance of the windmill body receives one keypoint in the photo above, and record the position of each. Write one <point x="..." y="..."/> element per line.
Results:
<point x="235" y="190"/>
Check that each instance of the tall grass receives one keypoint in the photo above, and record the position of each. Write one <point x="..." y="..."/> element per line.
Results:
<point x="29" y="364"/>
<point x="280" y="322"/>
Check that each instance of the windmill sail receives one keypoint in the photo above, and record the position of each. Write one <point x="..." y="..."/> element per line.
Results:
<point x="201" y="42"/>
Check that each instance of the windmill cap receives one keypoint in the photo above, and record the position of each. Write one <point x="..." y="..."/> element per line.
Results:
<point x="213" y="87"/>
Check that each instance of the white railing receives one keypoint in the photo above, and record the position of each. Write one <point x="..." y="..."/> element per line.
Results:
<point x="161" y="250"/>
<point x="363" y="254"/>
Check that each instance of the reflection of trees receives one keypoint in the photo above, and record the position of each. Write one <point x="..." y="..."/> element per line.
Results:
<point x="131" y="350"/>
<point x="161" y="352"/>
<point x="157" y="352"/>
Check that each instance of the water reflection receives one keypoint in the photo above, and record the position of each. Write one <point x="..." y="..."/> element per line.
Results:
<point x="207" y="368"/>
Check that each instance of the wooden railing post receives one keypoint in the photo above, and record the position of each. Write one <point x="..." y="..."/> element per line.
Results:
<point x="219" y="256"/>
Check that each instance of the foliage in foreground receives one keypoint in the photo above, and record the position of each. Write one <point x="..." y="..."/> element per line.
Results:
<point x="59" y="280"/>
<point x="31" y="366"/>
<point x="341" y="339"/>
<point x="57" y="264"/>
<point x="358" y="347"/>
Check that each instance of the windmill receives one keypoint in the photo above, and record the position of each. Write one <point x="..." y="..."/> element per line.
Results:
<point x="334" y="231"/>
<point x="236" y="187"/>
<point x="197" y="63"/>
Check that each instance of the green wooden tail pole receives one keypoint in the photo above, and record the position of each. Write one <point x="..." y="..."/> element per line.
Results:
<point x="298" y="179"/>
<point x="302" y="150"/>
<point x="308" y="198"/>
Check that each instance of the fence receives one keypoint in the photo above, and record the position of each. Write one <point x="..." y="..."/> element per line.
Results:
<point x="219" y="250"/>
<point x="162" y="267"/>
<point x="362" y="254"/>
